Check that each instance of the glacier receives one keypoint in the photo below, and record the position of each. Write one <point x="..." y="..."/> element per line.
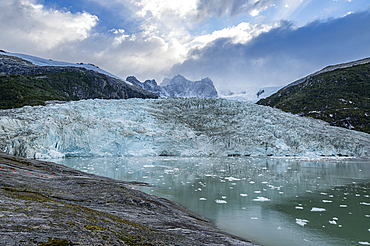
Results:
<point x="170" y="127"/>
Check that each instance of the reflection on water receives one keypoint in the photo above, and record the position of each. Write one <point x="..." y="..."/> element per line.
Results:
<point x="272" y="201"/>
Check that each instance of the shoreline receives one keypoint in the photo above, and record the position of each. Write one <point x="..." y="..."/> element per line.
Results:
<point x="41" y="201"/>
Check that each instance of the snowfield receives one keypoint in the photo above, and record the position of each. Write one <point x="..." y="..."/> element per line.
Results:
<point x="171" y="126"/>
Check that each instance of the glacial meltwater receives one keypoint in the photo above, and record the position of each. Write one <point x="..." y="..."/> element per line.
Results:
<point x="271" y="201"/>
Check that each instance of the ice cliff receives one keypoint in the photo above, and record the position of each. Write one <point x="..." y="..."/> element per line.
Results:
<point x="171" y="126"/>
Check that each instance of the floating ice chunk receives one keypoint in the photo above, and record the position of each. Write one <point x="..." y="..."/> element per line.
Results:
<point x="220" y="201"/>
<point x="243" y="194"/>
<point x="252" y="182"/>
<point x="299" y="207"/>
<point x="367" y="215"/>
<point x="331" y="196"/>
<point x="279" y="228"/>
<point x="365" y="203"/>
<point x="314" y="209"/>
<point x="301" y="222"/>
<point x="366" y="196"/>
<point x="323" y="193"/>
<point x="326" y="201"/>
<point x="265" y="182"/>
<point x="343" y="206"/>
<point x="254" y="218"/>
<point x="281" y="193"/>
<point x="233" y="183"/>
<point x="231" y="178"/>
<point x="309" y="191"/>
<point x="202" y="199"/>
<point x="357" y="194"/>
<point x="148" y="166"/>
<point x="333" y="222"/>
<point x="261" y="199"/>
<point x="257" y="191"/>
<point x="335" y="218"/>
<point x="364" y="243"/>
<point x="223" y="197"/>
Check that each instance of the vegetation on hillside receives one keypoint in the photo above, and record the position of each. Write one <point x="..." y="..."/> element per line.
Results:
<point x="340" y="97"/>
<point x="18" y="90"/>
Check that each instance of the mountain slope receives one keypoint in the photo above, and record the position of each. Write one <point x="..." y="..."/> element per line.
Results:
<point x="24" y="83"/>
<point x="339" y="95"/>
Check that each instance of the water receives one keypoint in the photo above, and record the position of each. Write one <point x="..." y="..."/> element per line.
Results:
<point x="271" y="201"/>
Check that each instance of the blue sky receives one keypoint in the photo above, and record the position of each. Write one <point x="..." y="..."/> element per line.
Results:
<point x="236" y="43"/>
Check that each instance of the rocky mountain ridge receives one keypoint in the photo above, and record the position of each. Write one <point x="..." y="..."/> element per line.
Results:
<point x="339" y="95"/>
<point x="178" y="86"/>
<point x="24" y="83"/>
<point x="329" y="69"/>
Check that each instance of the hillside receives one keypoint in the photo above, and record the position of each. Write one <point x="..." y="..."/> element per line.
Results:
<point x="339" y="95"/>
<point x="24" y="83"/>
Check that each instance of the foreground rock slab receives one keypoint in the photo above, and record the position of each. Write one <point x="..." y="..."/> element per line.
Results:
<point x="41" y="201"/>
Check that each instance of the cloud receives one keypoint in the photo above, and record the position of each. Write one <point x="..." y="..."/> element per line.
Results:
<point x="281" y="55"/>
<point x="24" y="23"/>
<point x="209" y="8"/>
<point x="242" y="33"/>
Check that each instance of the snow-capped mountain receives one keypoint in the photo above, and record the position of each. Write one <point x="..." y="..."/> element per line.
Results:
<point x="170" y="126"/>
<point x="28" y="80"/>
<point x="178" y="86"/>
<point x="37" y="61"/>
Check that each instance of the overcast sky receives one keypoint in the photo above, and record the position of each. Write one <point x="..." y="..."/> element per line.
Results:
<point x="236" y="43"/>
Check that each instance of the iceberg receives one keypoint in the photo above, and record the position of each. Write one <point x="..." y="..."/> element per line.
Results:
<point x="170" y="127"/>
<point x="314" y="209"/>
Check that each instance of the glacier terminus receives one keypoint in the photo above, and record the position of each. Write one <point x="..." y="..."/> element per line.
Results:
<point x="170" y="127"/>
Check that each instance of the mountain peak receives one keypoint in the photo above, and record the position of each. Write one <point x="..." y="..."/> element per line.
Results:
<point x="178" y="86"/>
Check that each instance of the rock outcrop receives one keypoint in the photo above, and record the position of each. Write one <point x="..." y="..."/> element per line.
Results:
<point x="178" y="86"/>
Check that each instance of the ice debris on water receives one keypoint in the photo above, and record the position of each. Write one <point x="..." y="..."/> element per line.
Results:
<point x="333" y="222"/>
<point x="364" y="243"/>
<point x="343" y="206"/>
<point x="315" y="209"/>
<point x="365" y="203"/>
<point x="220" y="201"/>
<point x="297" y="207"/>
<point x="202" y="199"/>
<point x="261" y="199"/>
<point x="242" y="194"/>
<point x="231" y="179"/>
<point x="301" y="222"/>
<point x="327" y="201"/>
<point x="171" y="126"/>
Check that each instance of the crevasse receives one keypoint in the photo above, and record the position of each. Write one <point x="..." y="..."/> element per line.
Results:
<point x="171" y="126"/>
